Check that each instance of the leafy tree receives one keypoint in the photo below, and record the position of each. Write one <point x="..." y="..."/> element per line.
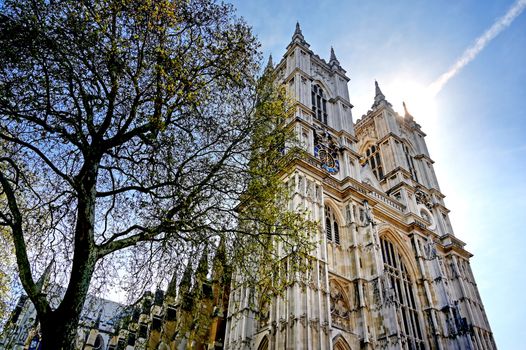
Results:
<point x="132" y="133"/>
<point x="6" y="275"/>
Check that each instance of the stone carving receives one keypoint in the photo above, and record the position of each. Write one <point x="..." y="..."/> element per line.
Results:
<point x="369" y="131"/>
<point x="348" y="214"/>
<point x="441" y="268"/>
<point x="314" y="323"/>
<point x="362" y="216"/>
<point x="430" y="250"/>
<point x="310" y="191"/>
<point x="368" y="213"/>
<point x="322" y="136"/>
<point x="339" y="306"/>
<point x="264" y="315"/>
<point x="319" y="72"/>
<point x="331" y="182"/>
<point x="325" y="327"/>
<point x="376" y="292"/>
<point x="282" y="324"/>
<point x="303" y="319"/>
<point x="423" y="198"/>
<point x="456" y="272"/>
<point x="301" y="189"/>
<point x="388" y="292"/>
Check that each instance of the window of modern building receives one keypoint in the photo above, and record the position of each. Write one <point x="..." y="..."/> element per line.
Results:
<point x="319" y="103"/>
<point x="403" y="294"/>
<point x="331" y="226"/>
<point x="375" y="162"/>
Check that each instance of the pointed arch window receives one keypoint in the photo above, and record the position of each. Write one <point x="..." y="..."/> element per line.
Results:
<point x="410" y="163"/>
<point x="99" y="343"/>
<point x="341" y="344"/>
<point x="375" y="161"/>
<point x="319" y="103"/>
<point x="401" y="290"/>
<point x="331" y="226"/>
<point x="264" y="344"/>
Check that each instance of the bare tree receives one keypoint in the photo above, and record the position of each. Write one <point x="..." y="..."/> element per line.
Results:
<point x="129" y="128"/>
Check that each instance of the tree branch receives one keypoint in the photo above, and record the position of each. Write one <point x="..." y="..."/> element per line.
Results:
<point x="24" y="267"/>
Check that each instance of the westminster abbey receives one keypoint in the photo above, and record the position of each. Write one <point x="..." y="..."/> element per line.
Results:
<point x="387" y="271"/>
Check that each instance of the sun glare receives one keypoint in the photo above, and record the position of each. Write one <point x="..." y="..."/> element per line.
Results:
<point x="419" y="99"/>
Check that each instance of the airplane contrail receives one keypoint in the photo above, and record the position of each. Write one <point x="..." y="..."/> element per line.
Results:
<point x="480" y="43"/>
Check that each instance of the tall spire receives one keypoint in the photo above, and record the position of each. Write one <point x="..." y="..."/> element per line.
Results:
<point x="379" y="97"/>
<point x="186" y="281"/>
<point x="270" y="64"/>
<point x="298" y="36"/>
<point x="202" y="268"/>
<point x="298" y="30"/>
<point x="171" y="291"/>
<point x="43" y="280"/>
<point x="220" y="255"/>
<point x="378" y="93"/>
<point x="333" y="60"/>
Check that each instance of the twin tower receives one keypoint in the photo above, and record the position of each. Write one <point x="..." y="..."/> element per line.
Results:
<point x="388" y="272"/>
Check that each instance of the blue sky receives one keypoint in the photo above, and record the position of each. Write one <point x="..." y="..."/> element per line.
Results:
<point x="475" y="124"/>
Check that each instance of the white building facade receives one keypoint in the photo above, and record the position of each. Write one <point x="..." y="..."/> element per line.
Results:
<point x="388" y="272"/>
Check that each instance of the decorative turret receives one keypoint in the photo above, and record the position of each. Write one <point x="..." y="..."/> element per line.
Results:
<point x="43" y="280"/>
<point x="333" y="62"/>
<point x="298" y="37"/>
<point x="159" y="297"/>
<point x="186" y="281"/>
<point x="270" y="64"/>
<point x="203" y="287"/>
<point x="379" y="97"/>
<point x="219" y="262"/>
<point x="146" y="303"/>
<point x="298" y="32"/>
<point x="202" y="268"/>
<point x="171" y="291"/>
<point x="221" y="279"/>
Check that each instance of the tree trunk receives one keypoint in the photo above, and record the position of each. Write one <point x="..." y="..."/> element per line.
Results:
<point x="59" y="327"/>
<point x="58" y="333"/>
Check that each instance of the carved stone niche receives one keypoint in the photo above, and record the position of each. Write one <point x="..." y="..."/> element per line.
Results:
<point x="424" y="199"/>
<point x="264" y="315"/>
<point x="340" y="310"/>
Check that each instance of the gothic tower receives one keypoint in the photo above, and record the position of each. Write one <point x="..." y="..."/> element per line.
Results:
<point x="388" y="272"/>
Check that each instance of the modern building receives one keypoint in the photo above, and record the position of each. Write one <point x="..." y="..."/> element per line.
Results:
<point x="388" y="271"/>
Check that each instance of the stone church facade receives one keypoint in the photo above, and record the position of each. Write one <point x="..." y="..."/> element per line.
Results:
<point x="388" y="271"/>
